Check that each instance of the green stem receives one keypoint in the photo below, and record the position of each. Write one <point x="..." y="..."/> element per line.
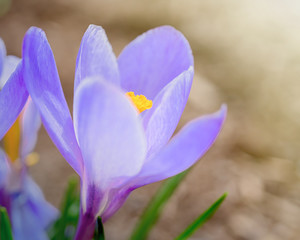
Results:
<point x="153" y="210"/>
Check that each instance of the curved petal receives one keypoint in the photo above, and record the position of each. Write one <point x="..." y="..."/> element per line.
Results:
<point x="184" y="149"/>
<point x="110" y="135"/>
<point x="9" y="66"/>
<point x="154" y="59"/>
<point x="4" y="168"/>
<point x="2" y="55"/>
<point x="43" y="210"/>
<point x="31" y="214"/>
<point x="43" y="84"/>
<point x="117" y="199"/>
<point x="31" y="123"/>
<point x="96" y="57"/>
<point x="25" y="225"/>
<point x="5" y="171"/>
<point x="12" y="99"/>
<point x="161" y="120"/>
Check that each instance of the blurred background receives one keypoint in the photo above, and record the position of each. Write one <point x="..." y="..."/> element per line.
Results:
<point x="247" y="55"/>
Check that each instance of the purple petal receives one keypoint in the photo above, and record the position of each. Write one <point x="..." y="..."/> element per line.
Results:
<point x="31" y="214"/>
<point x="86" y="227"/>
<point x="96" y="57"/>
<point x="25" y="225"/>
<point x="31" y="123"/>
<point x="184" y="149"/>
<point x="2" y="55"/>
<point x="43" y="210"/>
<point x="117" y="199"/>
<point x="12" y="99"/>
<point x="5" y="171"/>
<point x="161" y="120"/>
<point x="110" y="135"/>
<point x="5" y="200"/>
<point x="154" y="59"/>
<point x="44" y="86"/>
<point x="9" y="66"/>
<point x="4" y="168"/>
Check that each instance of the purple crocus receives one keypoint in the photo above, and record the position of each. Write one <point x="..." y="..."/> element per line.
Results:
<point x="29" y="212"/>
<point x="113" y="145"/>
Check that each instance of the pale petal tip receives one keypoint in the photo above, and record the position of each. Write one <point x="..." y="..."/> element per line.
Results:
<point x="94" y="27"/>
<point x="35" y="30"/>
<point x="32" y="34"/>
<point x="2" y="55"/>
<point x="220" y="115"/>
<point x="191" y="70"/>
<point x="167" y="29"/>
<point x="223" y="111"/>
<point x="93" y="30"/>
<point x="2" y="47"/>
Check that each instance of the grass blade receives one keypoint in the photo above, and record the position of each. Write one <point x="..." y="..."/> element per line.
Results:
<point x="99" y="232"/>
<point x="5" y="227"/>
<point x="65" y="227"/>
<point x="201" y="219"/>
<point x="153" y="210"/>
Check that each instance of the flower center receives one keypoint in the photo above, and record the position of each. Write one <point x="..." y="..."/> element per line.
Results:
<point x="140" y="101"/>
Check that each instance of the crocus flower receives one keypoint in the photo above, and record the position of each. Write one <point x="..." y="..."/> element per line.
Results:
<point x="125" y="112"/>
<point x="29" y="212"/>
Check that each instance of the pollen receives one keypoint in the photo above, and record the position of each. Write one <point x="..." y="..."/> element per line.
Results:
<point x="140" y="101"/>
<point x="32" y="159"/>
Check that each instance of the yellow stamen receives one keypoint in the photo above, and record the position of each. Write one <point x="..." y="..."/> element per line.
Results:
<point x="32" y="159"/>
<point x="140" y="101"/>
<point x="11" y="141"/>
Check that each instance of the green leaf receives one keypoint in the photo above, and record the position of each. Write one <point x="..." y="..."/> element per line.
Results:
<point x="202" y="219"/>
<point x="65" y="226"/>
<point x="5" y="228"/>
<point x="154" y="208"/>
<point x="99" y="232"/>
